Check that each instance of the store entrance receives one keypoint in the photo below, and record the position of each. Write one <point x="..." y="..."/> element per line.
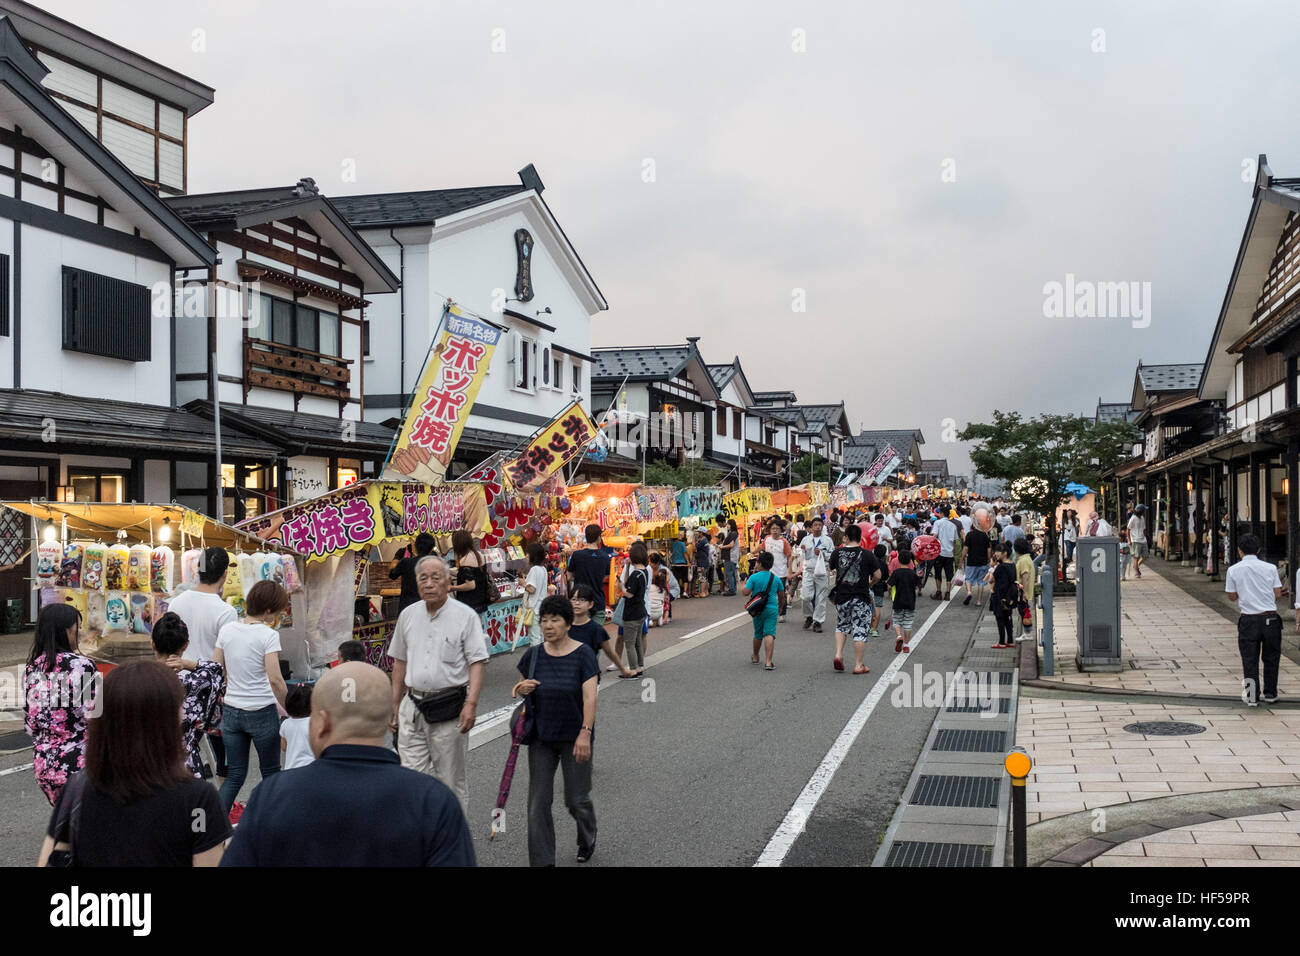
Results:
<point x="16" y="582"/>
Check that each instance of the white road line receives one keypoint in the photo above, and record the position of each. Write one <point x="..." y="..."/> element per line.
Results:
<point x="497" y="723"/>
<point x="797" y="819"/>
<point x="18" y="769"/>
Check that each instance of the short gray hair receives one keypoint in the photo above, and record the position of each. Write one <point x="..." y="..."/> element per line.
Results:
<point x="432" y="557"/>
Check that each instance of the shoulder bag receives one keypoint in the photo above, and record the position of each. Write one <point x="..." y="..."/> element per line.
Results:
<point x="520" y="718"/>
<point x="757" y="604"/>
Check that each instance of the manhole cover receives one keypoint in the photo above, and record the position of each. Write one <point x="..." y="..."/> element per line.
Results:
<point x="1164" y="728"/>
<point x="1153" y="665"/>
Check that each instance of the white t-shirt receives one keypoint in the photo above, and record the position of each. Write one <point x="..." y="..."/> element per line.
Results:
<point x="886" y="534"/>
<point x="537" y="578"/>
<point x="204" y="615"/>
<point x="245" y="645"/>
<point x="966" y="522"/>
<point x="1137" y="529"/>
<point x="946" y="531"/>
<point x="1253" y="582"/>
<point x="297" y="750"/>
<point x="776" y="548"/>
<point x="811" y="546"/>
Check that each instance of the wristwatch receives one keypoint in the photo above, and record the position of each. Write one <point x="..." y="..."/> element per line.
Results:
<point x="587" y="729"/>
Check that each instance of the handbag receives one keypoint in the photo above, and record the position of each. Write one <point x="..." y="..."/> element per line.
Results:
<point x="520" y="713"/>
<point x="757" y="604"/>
<point x="526" y="619"/>
<point x="493" y="592"/>
<point x="441" y="705"/>
<point x="68" y="824"/>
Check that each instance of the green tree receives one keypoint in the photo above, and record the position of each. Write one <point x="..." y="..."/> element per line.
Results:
<point x="692" y="474"/>
<point x="810" y="468"/>
<point x="1056" y="449"/>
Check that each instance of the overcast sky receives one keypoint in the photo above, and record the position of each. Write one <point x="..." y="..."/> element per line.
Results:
<point x="777" y="170"/>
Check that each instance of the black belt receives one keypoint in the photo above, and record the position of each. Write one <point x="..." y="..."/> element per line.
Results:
<point x="1261" y="614"/>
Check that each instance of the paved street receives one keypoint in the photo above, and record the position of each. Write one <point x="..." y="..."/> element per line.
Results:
<point x="700" y="763"/>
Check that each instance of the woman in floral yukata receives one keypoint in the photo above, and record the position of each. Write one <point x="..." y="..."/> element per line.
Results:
<point x="58" y="698"/>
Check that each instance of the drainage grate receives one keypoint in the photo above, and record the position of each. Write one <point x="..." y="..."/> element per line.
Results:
<point x="1004" y="707"/>
<point x="913" y="853"/>
<point x="971" y="741"/>
<point x="1153" y="665"/>
<point x="1004" y="677"/>
<point x="1164" y="728"/>
<point x="953" y="791"/>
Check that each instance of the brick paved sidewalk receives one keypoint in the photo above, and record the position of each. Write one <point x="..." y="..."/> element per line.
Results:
<point x="1170" y="642"/>
<point x="1265" y="839"/>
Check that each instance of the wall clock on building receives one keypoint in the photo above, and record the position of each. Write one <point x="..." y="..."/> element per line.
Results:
<point x="523" y="274"/>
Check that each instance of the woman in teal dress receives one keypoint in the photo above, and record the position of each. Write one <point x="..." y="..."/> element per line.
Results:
<point x="765" y="623"/>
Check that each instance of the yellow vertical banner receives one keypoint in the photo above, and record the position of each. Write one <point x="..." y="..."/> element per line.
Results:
<point x="443" y="397"/>
<point x="555" y="446"/>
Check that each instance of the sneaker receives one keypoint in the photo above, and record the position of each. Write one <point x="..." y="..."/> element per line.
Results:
<point x="781" y="619"/>
<point x="968" y="597"/>
<point x="1021" y="639"/>
<point x="907" y="648"/>
<point x="898" y="646"/>
<point x="612" y="667"/>
<point x="817" y="628"/>
<point x="1249" y="703"/>
<point x="236" y="811"/>
<point x="1269" y="698"/>
<point x="807" y="622"/>
<point x="873" y="633"/>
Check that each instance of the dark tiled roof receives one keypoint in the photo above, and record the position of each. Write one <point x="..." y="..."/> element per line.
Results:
<point x="900" y="438"/>
<point x="722" y="374"/>
<point x="1170" y="378"/>
<point x="788" y="415"/>
<point x="425" y="206"/>
<point x="299" y="432"/>
<point x="24" y="414"/>
<point x="762" y="397"/>
<point x="639" y="364"/>
<point x="935" y="464"/>
<point x="858" y="457"/>
<point x="1113" y="411"/>
<point x="205" y="209"/>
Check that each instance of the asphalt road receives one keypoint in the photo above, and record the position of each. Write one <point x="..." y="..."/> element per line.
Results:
<point x="699" y="762"/>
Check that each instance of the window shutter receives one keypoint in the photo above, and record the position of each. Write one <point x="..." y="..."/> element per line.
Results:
<point x="106" y="316"/>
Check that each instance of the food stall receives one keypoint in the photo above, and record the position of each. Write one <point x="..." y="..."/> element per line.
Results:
<point x="121" y="564"/>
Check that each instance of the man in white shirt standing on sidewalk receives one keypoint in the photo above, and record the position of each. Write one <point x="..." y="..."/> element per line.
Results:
<point x="1256" y="587"/>
<point x="1137" y="537"/>
<point x="438" y="652"/>
<point x="817" y="547"/>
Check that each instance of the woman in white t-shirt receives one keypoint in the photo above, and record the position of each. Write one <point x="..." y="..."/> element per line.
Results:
<point x="535" y="587"/>
<point x="249" y="651"/>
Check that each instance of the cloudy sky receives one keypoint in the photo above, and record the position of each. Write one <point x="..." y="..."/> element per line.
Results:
<point x="919" y="170"/>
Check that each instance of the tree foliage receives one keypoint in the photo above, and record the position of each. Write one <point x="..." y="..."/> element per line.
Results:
<point x="810" y="468"/>
<point x="1059" y="449"/>
<point x="692" y="474"/>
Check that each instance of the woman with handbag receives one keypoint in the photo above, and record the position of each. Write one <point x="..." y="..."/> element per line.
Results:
<point x="471" y="585"/>
<point x="136" y="804"/>
<point x="535" y="587"/>
<point x="559" y="683"/>
<point x="764" y="588"/>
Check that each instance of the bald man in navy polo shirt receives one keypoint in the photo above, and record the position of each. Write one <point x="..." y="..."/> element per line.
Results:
<point x="355" y="805"/>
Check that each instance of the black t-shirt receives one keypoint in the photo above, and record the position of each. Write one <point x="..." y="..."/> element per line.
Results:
<point x="406" y="571"/>
<point x="556" y="704"/>
<point x="977" y="548"/>
<point x="1004" y="580"/>
<point x="167" y="828"/>
<point x="477" y="597"/>
<point x="590" y="566"/>
<point x="904" y="581"/>
<point x="853" y="568"/>
<point x="634" y="607"/>
<point x="592" y="634"/>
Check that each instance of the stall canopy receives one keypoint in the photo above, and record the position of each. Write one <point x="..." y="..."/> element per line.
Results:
<point x="141" y="522"/>
<point x="790" y="499"/>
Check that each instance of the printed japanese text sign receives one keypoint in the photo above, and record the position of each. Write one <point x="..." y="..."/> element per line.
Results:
<point x="740" y="503"/>
<point x="443" y="398"/>
<point x="699" y="501"/>
<point x="559" y="442"/>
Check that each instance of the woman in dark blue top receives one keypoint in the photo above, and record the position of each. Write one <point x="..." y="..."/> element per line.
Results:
<point x="562" y="708"/>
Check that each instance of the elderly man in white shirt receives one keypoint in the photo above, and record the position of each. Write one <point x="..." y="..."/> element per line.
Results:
<point x="1256" y="587"/>
<point x="438" y="650"/>
<point x="817" y="546"/>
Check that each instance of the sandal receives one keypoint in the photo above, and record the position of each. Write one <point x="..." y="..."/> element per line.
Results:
<point x="754" y="660"/>
<point x="862" y="670"/>
<point x="770" y="667"/>
<point x="838" y="664"/>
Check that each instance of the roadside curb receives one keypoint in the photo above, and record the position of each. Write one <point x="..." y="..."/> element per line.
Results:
<point x="1085" y="851"/>
<point x="1217" y="699"/>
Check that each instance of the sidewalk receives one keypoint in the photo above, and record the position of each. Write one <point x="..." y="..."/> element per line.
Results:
<point x="1221" y="789"/>
<point x="1171" y="641"/>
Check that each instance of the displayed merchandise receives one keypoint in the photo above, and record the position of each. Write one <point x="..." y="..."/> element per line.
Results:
<point x="48" y="556"/>
<point x="115" y="567"/>
<point x="92" y="566"/>
<point x="160" y="569"/>
<point x="70" y="566"/>
<point x="137" y="568"/>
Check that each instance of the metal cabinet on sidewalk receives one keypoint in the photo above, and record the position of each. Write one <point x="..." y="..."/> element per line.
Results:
<point x="1097" y="603"/>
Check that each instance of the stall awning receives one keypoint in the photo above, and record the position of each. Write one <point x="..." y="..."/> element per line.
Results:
<point x="141" y="522"/>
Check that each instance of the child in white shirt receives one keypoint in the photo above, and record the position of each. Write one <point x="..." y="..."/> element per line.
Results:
<point x="294" y="739"/>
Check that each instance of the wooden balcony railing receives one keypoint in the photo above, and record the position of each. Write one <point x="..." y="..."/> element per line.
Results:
<point x="288" y="368"/>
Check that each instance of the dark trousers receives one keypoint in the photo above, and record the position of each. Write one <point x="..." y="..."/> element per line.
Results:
<point x="1259" y="635"/>
<point x="1006" y="630"/>
<point x="543" y="758"/>
<point x="943" y="569"/>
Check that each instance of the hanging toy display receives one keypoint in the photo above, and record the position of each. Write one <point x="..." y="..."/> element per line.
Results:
<point x="48" y="556"/>
<point x="141" y="612"/>
<point x="161" y="569"/>
<point x="270" y="568"/>
<point x="70" y="566"/>
<point x="233" y="591"/>
<point x="115" y="567"/>
<point x="92" y="567"/>
<point x="190" y="566"/>
<point x="291" y="580"/>
<point x="137" y="568"/>
<point x="250" y="573"/>
<point x="95" y="601"/>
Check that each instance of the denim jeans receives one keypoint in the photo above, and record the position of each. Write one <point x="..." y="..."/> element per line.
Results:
<point x="239" y="728"/>
<point x="731" y="576"/>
